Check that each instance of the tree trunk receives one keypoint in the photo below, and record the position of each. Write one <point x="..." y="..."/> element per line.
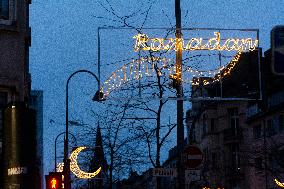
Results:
<point x="158" y="163"/>
<point x="111" y="169"/>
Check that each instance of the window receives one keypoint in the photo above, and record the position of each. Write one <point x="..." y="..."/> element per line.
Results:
<point x="234" y="184"/>
<point x="3" y="102"/>
<point x="270" y="124"/>
<point x="4" y="9"/>
<point x="258" y="163"/>
<point x="257" y="131"/>
<point x="273" y="160"/>
<point x="204" y="124"/>
<point x="234" y="120"/>
<point x="214" y="160"/>
<point x="235" y="157"/>
<point x="212" y="124"/>
<point x="192" y="133"/>
<point x="281" y="122"/>
<point x="7" y="12"/>
<point x="206" y="155"/>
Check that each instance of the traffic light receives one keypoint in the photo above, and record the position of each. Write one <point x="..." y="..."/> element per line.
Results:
<point x="53" y="180"/>
<point x="277" y="50"/>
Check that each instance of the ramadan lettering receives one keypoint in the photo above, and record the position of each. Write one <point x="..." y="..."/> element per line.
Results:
<point x="143" y="42"/>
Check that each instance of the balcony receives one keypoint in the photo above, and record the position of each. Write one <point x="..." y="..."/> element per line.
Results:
<point x="232" y="135"/>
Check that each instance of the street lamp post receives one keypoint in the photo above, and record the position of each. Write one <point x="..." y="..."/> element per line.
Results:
<point x="180" y="128"/>
<point x="98" y="97"/>
<point x="55" y="142"/>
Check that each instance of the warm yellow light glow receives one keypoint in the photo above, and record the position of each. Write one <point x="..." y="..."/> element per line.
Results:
<point x="53" y="183"/>
<point x="76" y="169"/>
<point x="145" y="67"/>
<point x="143" y="42"/>
<point x="223" y="71"/>
<point x="151" y="66"/>
<point x="59" y="167"/>
<point x="279" y="183"/>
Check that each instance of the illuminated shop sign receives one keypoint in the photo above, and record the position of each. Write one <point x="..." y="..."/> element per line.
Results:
<point x="17" y="171"/>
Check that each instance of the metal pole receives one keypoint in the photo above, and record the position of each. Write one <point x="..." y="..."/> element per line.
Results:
<point x="66" y="170"/>
<point x="55" y="153"/>
<point x="265" y="151"/>
<point x="99" y="55"/>
<point x="180" y="129"/>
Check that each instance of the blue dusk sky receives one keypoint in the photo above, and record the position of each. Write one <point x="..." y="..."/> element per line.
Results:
<point x="64" y="40"/>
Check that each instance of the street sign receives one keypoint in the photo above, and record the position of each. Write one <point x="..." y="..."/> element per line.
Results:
<point x="164" y="172"/>
<point x="277" y="50"/>
<point x="192" y="175"/>
<point x="192" y="157"/>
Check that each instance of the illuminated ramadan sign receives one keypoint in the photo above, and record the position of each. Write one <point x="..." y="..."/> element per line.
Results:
<point x="145" y="43"/>
<point x="202" y="64"/>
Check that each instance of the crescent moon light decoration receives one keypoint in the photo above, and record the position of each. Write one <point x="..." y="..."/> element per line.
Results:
<point x="74" y="167"/>
<point x="279" y="183"/>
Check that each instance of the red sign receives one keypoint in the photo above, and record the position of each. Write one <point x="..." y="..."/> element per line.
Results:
<point x="192" y="157"/>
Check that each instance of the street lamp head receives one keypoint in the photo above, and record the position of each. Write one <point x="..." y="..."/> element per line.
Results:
<point x="99" y="96"/>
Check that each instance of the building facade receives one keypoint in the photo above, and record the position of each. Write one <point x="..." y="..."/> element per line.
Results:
<point x="266" y="123"/>
<point x="36" y="103"/>
<point x="14" y="52"/>
<point x="242" y="141"/>
<point x="15" y="39"/>
<point x="218" y="129"/>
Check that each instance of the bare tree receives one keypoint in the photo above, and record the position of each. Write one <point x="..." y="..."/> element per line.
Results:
<point x="145" y="115"/>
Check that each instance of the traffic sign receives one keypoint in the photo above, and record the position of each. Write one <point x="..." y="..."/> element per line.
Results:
<point x="192" y="157"/>
<point x="164" y="172"/>
<point x="192" y="175"/>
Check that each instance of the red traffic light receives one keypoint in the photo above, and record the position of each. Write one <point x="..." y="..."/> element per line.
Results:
<point x="53" y="180"/>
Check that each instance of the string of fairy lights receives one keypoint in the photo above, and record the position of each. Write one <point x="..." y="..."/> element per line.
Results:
<point x="74" y="167"/>
<point x="222" y="72"/>
<point x="149" y="66"/>
<point x="145" y="67"/>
